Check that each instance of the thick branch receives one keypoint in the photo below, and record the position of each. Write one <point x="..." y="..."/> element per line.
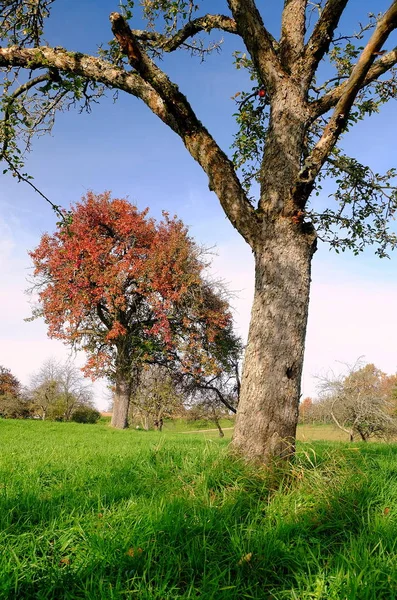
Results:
<point x="206" y="23"/>
<point x="182" y="119"/>
<point x="220" y="170"/>
<point x="340" y="116"/>
<point x="324" y="104"/>
<point x="293" y="28"/>
<point x="320" y="40"/>
<point x="258" y="42"/>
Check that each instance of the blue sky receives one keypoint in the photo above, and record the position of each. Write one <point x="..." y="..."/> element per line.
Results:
<point x="124" y="148"/>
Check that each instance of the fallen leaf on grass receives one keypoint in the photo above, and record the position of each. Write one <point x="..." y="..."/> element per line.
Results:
<point x="245" y="559"/>
<point x="134" y="552"/>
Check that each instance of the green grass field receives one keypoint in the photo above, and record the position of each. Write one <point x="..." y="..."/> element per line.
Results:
<point x="89" y="512"/>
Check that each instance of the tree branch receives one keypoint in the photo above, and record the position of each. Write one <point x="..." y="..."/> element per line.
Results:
<point x="182" y="119"/>
<point x="320" y="40"/>
<point x="293" y="28"/>
<point x="9" y="101"/>
<point x="205" y="23"/>
<point x="326" y="102"/>
<point x="258" y="42"/>
<point x="340" y="116"/>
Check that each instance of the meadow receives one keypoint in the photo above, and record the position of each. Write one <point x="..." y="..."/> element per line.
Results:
<point x="89" y="512"/>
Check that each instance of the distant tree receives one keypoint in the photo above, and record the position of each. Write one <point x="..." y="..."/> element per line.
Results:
<point x="14" y="404"/>
<point x="129" y="291"/>
<point x="222" y="386"/>
<point x="58" y="389"/>
<point x="9" y="384"/>
<point x="359" y="402"/>
<point x="155" y="398"/>
<point x="75" y="391"/>
<point x="305" y="410"/>
<point x="208" y="408"/>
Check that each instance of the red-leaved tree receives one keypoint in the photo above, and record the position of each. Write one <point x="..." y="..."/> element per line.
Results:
<point x="128" y="290"/>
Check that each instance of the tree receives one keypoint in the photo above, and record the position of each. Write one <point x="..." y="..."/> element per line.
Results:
<point x="221" y="386"/>
<point x="305" y="410"/>
<point x="156" y="397"/>
<point x="13" y="402"/>
<point x="289" y="127"/>
<point x="58" y="389"/>
<point x="128" y="291"/>
<point x="9" y="384"/>
<point x="359" y="402"/>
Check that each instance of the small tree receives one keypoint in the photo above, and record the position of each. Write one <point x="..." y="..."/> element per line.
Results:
<point x="220" y="387"/>
<point x="305" y="410"/>
<point x="9" y="384"/>
<point x="14" y="404"/>
<point x="129" y="291"/>
<point x="156" y="397"/>
<point x="58" y="389"/>
<point x="359" y="402"/>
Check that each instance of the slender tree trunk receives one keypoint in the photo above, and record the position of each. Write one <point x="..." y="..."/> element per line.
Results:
<point x="121" y="404"/>
<point x="268" y="410"/>
<point x="221" y="434"/>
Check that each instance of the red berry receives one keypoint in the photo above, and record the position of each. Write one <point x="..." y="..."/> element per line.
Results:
<point x="262" y="93"/>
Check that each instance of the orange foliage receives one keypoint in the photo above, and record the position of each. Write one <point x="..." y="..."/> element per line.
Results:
<point x="116" y="283"/>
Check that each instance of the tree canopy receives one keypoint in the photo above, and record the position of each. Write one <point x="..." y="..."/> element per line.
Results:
<point x="129" y="291"/>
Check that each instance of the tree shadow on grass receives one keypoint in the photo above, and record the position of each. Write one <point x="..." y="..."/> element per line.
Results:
<point x="328" y="533"/>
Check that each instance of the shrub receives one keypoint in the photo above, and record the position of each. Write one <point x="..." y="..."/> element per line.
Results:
<point x="86" y="414"/>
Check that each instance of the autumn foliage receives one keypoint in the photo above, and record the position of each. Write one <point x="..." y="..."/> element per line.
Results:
<point x="127" y="289"/>
<point x="9" y="384"/>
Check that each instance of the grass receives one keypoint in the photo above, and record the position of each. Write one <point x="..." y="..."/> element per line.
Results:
<point x="89" y="512"/>
<point x="305" y="433"/>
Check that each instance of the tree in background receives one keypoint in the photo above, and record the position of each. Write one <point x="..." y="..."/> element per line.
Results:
<point x="156" y="398"/>
<point x="360" y="402"/>
<point x="128" y="291"/>
<point x="310" y="86"/>
<point x="58" y="389"/>
<point x="9" y="384"/>
<point x="305" y="410"/>
<point x="13" y="402"/>
<point x="221" y="387"/>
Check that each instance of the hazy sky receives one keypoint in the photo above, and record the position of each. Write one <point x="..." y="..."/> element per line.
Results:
<point x="122" y="147"/>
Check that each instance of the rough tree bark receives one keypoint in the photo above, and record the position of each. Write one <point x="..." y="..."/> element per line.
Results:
<point x="267" y="415"/>
<point x="121" y="403"/>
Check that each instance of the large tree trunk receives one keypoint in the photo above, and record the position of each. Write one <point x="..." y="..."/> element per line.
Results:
<point x="121" y="404"/>
<point x="267" y="414"/>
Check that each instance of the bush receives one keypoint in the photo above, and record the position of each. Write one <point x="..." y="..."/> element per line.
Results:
<point x="86" y="414"/>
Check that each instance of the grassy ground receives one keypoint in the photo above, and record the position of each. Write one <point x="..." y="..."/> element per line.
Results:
<point x="89" y="512"/>
<point x="305" y="433"/>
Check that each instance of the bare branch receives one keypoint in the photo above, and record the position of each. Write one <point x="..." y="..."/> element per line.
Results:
<point x="340" y="116"/>
<point x="180" y="116"/>
<point x="326" y="102"/>
<point x="206" y="23"/>
<point x="293" y="28"/>
<point x="258" y="42"/>
<point x="9" y="101"/>
<point x="320" y="40"/>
